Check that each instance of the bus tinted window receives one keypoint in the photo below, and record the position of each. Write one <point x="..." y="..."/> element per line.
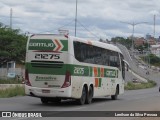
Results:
<point x="95" y="55"/>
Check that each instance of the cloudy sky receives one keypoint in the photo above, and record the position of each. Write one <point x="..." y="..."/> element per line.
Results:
<point x="96" y="18"/>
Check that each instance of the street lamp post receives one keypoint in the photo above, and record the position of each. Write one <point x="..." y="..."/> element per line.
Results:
<point x="148" y="54"/>
<point x="133" y="25"/>
<point x="76" y="20"/>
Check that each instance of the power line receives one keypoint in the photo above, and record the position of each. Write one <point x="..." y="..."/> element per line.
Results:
<point x="133" y="24"/>
<point x="66" y="24"/>
<point x="88" y="30"/>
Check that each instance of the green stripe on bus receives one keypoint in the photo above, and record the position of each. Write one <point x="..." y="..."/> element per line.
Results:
<point x="91" y="71"/>
<point x="75" y="70"/>
<point x="43" y="70"/>
<point x="100" y="82"/>
<point x="65" y="44"/>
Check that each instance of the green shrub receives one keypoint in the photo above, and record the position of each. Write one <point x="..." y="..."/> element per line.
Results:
<point x="142" y="85"/>
<point x="154" y="60"/>
<point x="10" y="81"/>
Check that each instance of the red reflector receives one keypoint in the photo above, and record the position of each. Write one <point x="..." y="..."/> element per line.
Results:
<point x="27" y="82"/>
<point x="67" y="81"/>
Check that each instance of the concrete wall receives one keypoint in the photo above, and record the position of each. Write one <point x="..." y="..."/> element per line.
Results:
<point x="18" y="71"/>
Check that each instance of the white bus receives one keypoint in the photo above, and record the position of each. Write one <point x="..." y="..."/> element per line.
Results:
<point x="64" y="67"/>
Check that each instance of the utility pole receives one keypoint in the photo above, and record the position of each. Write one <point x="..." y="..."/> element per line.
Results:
<point x="76" y="20"/>
<point x="154" y="25"/>
<point x="11" y="18"/>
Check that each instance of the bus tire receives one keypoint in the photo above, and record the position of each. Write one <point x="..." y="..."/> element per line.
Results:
<point x="89" y="95"/>
<point x="44" y="100"/>
<point x="82" y="99"/>
<point x="114" y="97"/>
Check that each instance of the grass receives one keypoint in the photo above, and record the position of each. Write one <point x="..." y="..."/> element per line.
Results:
<point x="143" y="85"/>
<point x="11" y="92"/>
<point x="10" y="81"/>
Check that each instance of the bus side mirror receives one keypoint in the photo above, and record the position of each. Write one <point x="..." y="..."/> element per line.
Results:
<point x="127" y="66"/>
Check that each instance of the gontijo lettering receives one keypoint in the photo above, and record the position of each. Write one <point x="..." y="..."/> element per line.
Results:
<point x="41" y="44"/>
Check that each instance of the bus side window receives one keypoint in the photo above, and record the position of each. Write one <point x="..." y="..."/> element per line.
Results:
<point x="76" y="50"/>
<point x="83" y="54"/>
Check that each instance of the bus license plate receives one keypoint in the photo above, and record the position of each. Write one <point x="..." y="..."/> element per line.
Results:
<point x="45" y="91"/>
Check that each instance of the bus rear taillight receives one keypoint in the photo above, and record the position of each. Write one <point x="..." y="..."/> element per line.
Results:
<point x="67" y="81"/>
<point x="27" y="82"/>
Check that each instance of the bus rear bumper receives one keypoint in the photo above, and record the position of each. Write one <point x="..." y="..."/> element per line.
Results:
<point x="48" y="92"/>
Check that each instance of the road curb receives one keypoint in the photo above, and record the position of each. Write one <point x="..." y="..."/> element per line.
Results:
<point x="139" y="77"/>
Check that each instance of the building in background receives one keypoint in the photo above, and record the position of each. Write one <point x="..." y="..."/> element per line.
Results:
<point x="139" y="42"/>
<point x="152" y="41"/>
<point x="155" y="49"/>
<point x="158" y="40"/>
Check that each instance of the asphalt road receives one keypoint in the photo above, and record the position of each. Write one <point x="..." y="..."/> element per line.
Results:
<point x="134" y="100"/>
<point x="123" y="103"/>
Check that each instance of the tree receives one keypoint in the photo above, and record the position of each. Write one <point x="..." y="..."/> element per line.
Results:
<point x="139" y="48"/>
<point x="12" y="44"/>
<point x="123" y="41"/>
<point x="153" y="59"/>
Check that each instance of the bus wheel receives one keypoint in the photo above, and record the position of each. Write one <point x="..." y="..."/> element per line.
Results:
<point x="89" y="96"/>
<point x="114" y="97"/>
<point x="82" y="100"/>
<point x="44" y="100"/>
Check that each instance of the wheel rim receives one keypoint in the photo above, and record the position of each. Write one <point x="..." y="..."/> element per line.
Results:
<point x="83" y="95"/>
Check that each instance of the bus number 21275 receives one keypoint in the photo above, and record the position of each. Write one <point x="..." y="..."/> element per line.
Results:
<point x="47" y="56"/>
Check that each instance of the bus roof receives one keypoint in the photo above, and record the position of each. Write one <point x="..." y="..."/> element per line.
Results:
<point x="97" y="43"/>
<point x="92" y="42"/>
